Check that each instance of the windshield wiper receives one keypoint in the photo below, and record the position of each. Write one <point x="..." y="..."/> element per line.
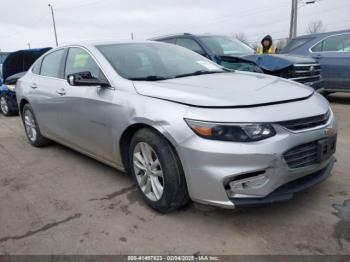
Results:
<point x="199" y="72"/>
<point x="148" y="78"/>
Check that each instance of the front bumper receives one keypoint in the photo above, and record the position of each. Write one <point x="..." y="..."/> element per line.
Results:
<point x="287" y="191"/>
<point x="318" y="86"/>
<point x="211" y="166"/>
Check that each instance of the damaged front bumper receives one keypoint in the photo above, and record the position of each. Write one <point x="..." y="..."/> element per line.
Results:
<point x="243" y="174"/>
<point x="287" y="191"/>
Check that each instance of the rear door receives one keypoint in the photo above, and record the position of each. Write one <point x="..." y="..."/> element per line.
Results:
<point x="45" y="83"/>
<point x="333" y="53"/>
<point x="85" y="118"/>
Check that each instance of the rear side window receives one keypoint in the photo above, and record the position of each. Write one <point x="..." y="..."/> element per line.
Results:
<point x="190" y="44"/>
<point x="36" y="67"/>
<point x="52" y="64"/>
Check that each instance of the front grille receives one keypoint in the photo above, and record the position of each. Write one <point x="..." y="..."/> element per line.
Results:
<point x="305" y="73"/>
<point x="302" y="156"/>
<point x="306" y="123"/>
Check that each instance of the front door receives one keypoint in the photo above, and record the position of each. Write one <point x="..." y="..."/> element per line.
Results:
<point x="85" y="117"/>
<point x="333" y="53"/>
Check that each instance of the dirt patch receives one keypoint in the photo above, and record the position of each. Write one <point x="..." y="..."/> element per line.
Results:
<point x="342" y="228"/>
<point x="44" y="228"/>
<point x="114" y="194"/>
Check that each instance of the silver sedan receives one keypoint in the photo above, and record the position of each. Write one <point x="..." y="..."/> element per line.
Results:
<point x="184" y="127"/>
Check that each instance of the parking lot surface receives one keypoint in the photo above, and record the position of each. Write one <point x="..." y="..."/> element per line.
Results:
<point x="56" y="201"/>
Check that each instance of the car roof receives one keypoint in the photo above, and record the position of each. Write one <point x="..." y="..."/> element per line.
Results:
<point x="323" y="34"/>
<point x="182" y="35"/>
<point x="104" y="42"/>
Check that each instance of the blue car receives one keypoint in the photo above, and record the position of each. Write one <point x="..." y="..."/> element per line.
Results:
<point x="332" y="51"/>
<point x="14" y="67"/>
<point x="234" y="54"/>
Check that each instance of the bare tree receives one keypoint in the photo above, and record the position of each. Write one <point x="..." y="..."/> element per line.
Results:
<point x="281" y="43"/>
<point x="255" y="45"/>
<point x="315" y="27"/>
<point x="242" y="37"/>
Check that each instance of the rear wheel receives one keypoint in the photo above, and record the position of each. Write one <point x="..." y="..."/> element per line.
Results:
<point x="157" y="171"/>
<point x="31" y="127"/>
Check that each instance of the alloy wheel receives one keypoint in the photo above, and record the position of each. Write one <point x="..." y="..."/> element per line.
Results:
<point x="30" y="126"/>
<point x="4" y="106"/>
<point x="148" y="170"/>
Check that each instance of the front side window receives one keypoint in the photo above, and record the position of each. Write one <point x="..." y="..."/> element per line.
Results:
<point x="78" y="61"/>
<point x="338" y="43"/>
<point x="51" y="65"/>
<point x="333" y="44"/>
<point x="169" y="40"/>
<point x="222" y="45"/>
<point x="190" y="44"/>
<point x="346" y="43"/>
<point x="295" y="43"/>
<point x="318" y="47"/>
<point x="155" y="61"/>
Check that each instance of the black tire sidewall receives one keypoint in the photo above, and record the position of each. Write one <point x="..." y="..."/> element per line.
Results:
<point x="40" y="140"/>
<point x="8" y="109"/>
<point x="175" y="189"/>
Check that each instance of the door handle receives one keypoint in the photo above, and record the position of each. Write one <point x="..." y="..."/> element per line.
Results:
<point x="61" y="91"/>
<point x="34" y="86"/>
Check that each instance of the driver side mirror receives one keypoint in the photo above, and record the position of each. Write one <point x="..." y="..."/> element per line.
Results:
<point x="85" y="79"/>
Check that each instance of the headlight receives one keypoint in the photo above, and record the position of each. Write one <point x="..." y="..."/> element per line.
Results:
<point x="231" y="132"/>
<point x="11" y="87"/>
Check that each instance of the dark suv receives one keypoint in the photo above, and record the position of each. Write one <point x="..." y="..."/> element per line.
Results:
<point x="332" y="51"/>
<point x="234" y="54"/>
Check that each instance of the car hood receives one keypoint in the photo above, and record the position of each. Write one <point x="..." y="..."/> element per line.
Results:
<point x="237" y="89"/>
<point x="272" y="62"/>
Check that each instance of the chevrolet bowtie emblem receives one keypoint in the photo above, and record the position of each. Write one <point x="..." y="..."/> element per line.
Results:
<point x="329" y="131"/>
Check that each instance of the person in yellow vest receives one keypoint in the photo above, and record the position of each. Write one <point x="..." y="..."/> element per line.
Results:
<point x="267" y="46"/>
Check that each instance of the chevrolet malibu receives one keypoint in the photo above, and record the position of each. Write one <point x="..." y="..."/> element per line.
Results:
<point x="184" y="127"/>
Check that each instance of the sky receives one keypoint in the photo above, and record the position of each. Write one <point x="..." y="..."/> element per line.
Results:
<point x="29" y="21"/>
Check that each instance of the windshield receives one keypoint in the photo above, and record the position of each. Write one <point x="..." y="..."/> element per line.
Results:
<point x="223" y="45"/>
<point x="295" y="43"/>
<point x="156" y="61"/>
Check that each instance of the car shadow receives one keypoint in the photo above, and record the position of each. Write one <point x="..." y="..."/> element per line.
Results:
<point x="339" y="98"/>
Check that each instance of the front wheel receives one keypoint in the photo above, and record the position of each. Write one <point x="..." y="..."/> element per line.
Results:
<point x="157" y="171"/>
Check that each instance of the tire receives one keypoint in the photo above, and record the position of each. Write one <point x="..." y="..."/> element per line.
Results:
<point x="148" y="146"/>
<point x="32" y="129"/>
<point x="4" y="107"/>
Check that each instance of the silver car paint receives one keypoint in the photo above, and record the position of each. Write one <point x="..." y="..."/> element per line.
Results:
<point x="92" y="120"/>
<point x="225" y="90"/>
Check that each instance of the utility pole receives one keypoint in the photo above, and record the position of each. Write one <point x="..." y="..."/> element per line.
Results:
<point x="54" y="23"/>
<point x="294" y="16"/>
<point x="293" y="20"/>
<point x="28" y="44"/>
<point x="132" y="36"/>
